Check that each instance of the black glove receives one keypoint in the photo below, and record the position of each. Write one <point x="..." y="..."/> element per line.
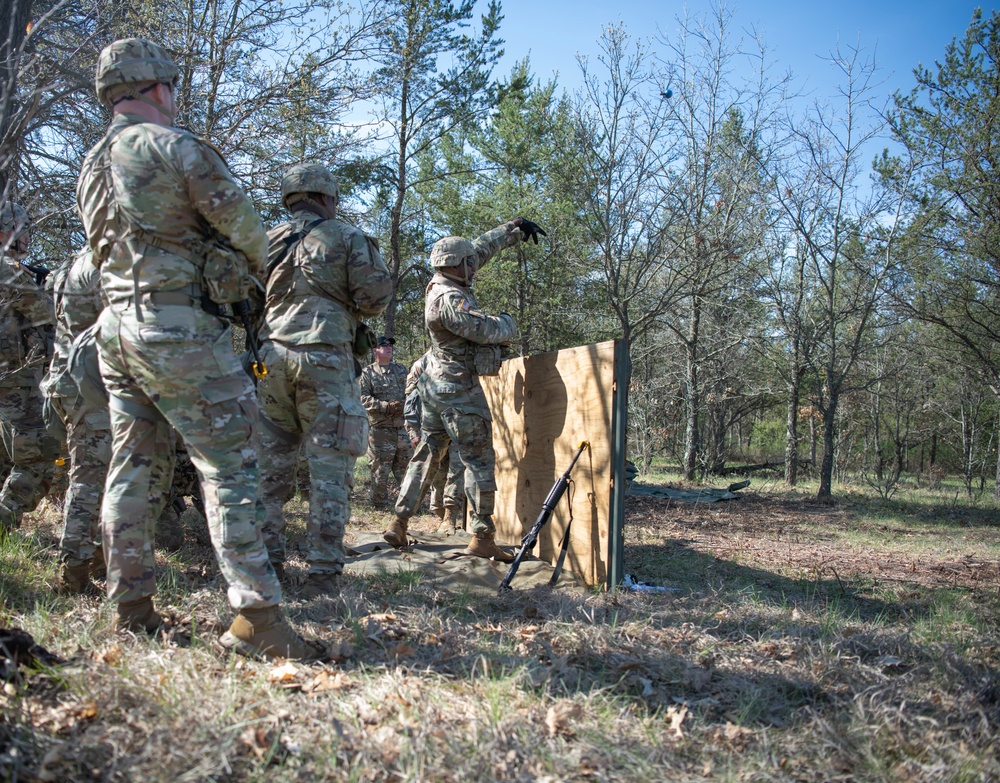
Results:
<point x="529" y="229"/>
<point x="39" y="271"/>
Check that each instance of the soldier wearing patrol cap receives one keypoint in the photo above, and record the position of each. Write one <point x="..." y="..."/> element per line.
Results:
<point x="383" y="393"/>
<point x="25" y="311"/>
<point x="465" y="343"/>
<point x="323" y="277"/>
<point x="176" y="240"/>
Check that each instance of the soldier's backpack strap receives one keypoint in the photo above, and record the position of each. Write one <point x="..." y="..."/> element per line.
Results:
<point x="284" y="250"/>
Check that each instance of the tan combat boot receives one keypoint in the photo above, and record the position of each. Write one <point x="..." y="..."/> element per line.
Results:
<point x="139" y="616"/>
<point x="484" y="545"/>
<point x="74" y="579"/>
<point x="265" y="633"/>
<point x="320" y="585"/>
<point x="396" y="534"/>
<point x="98" y="566"/>
<point x="452" y="520"/>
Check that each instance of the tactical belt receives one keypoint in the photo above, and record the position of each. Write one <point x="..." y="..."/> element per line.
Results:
<point x="190" y="296"/>
<point x="135" y="409"/>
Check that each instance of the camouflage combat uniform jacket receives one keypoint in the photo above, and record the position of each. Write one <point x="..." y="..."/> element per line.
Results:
<point x="465" y="342"/>
<point x="25" y="311"/>
<point x="380" y="385"/>
<point x="323" y="276"/>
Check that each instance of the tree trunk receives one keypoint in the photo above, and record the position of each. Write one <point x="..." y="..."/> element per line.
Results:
<point x="792" y="430"/>
<point x="829" y="433"/>
<point x="16" y="14"/>
<point x="692" y="394"/>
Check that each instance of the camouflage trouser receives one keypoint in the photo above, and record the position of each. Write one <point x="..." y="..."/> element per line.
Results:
<point x="310" y="395"/>
<point x="389" y="451"/>
<point x="88" y="441"/>
<point x="177" y="368"/>
<point x="185" y="482"/>
<point x="448" y="484"/>
<point x="473" y="434"/>
<point x="30" y="449"/>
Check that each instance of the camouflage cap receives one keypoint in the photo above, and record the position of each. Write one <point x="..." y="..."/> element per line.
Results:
<point x="132" y="61"/>
<point x="307" y="178"/>
<point x="451" y="251"/>
<point x="13" y="216"/>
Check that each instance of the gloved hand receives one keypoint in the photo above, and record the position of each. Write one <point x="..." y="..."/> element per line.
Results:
<point x="39" y="271"/>
<point x="529" y="229"/>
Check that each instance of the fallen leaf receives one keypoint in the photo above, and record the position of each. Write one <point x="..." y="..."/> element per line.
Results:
<point x="404" y="650"/>
<point x="328" y="680"/>
<point x="286" y="672"/>
<point x="677" y="717"/>
<point x="558" y="718"/>
<point x="259" y="740"/>
<point x="737" y="736"/>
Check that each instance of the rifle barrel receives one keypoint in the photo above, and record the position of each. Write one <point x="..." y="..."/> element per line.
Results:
<point x="548" y="507"/>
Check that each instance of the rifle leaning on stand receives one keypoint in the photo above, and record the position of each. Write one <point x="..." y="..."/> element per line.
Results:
<point x="548" y="507"/>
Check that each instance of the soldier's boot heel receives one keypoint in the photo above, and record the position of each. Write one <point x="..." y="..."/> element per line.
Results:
<point x="484" y="545"/>
<point x="321" y="585"/>
<point x="452" y="520"/>
<point x="139" y="616"/>
<point x="396" y="534"/>
<point x="265" y="633"/>
<point x="75" y="579"/>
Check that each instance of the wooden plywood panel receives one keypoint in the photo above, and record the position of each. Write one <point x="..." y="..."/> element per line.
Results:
<point x="543" y="406"/>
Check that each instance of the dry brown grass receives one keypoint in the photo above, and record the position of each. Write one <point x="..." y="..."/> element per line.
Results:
<point x="802" y="644"/>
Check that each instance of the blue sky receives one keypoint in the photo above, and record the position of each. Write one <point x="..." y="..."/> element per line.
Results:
<point x="800" y="34"/>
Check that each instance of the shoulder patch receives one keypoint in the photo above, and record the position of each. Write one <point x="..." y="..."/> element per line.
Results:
<point x="464" y="306"/>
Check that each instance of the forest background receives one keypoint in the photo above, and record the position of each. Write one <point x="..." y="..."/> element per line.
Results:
<point x="785" y="299"/>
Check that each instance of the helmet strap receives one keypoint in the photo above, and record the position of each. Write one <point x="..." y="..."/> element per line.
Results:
<point x="140" y="95"/>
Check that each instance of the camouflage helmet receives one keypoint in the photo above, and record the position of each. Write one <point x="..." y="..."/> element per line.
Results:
<point x="132" y="61"/>
<point x="451" y="251"/>
<point x="13" y="217"/>
<point x="304" y="178"/>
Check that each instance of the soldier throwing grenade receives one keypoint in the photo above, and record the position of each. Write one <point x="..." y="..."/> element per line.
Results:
<point x="465" y="343"/>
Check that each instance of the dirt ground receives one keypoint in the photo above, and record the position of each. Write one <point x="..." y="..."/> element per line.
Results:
<point x="811" y="539"/>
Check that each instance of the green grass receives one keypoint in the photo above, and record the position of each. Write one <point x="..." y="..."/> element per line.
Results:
<point x="798" y="645"/>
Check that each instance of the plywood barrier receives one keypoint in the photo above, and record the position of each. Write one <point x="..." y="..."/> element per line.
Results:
<point x="543" y="406"/>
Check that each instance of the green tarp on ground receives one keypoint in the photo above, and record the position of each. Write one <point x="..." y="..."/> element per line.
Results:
<point x="703" y="495"/>
<point x="440" y="562"/>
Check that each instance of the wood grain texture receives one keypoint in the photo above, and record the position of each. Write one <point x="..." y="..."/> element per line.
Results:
<point x="543" y="406"/>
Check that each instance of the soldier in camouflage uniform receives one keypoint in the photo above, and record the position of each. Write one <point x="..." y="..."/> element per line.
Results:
<point x="77" y="293"/>
<point x="383" y="393"/>
<point x="448" y="486"/>
<point x="175" y="238"/>
<point x="25" y="311"/>
<point x="86" y="423"/>
<point x="323" y="276"/>
<point x="465" y="343"/>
